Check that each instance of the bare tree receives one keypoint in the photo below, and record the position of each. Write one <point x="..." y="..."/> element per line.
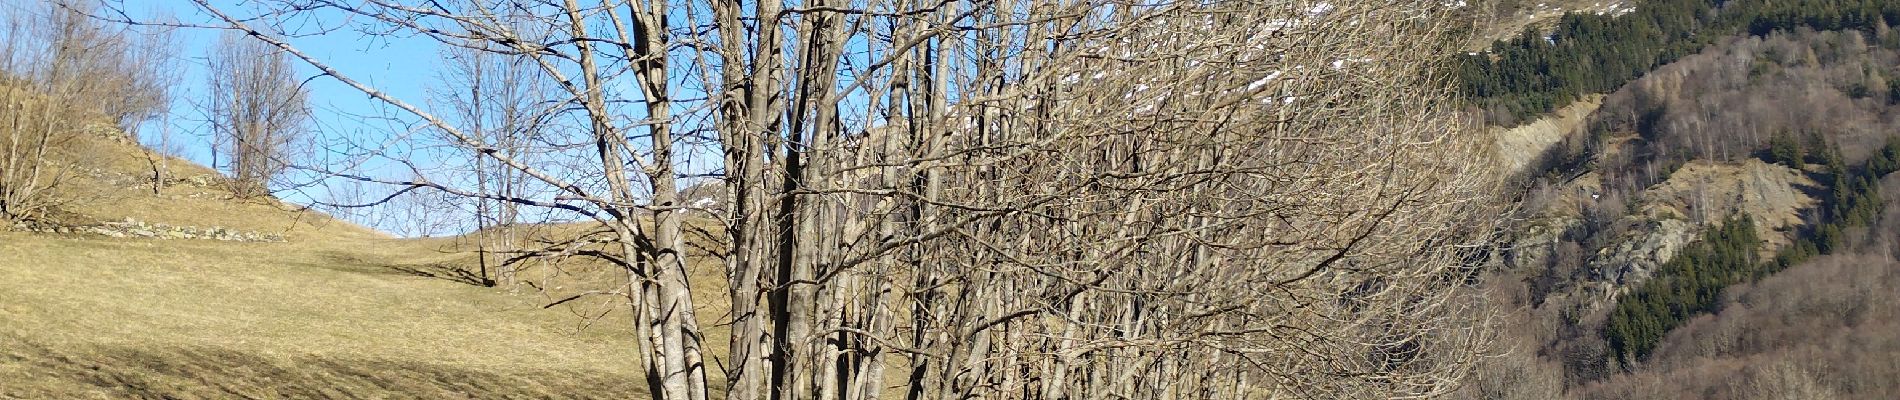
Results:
<point x="35" y="126"/>
<point x="156" y="70"/>
<point x="256" y="108"/>
<point x="504" y="101"/>
<point x="64" y="72"/>
<point x="1004" y="199"/>
<point x="123" y="74"/>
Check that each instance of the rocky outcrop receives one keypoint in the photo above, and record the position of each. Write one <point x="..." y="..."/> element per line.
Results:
<point x="1522" y="146"/>
<point x="132" y="228"/>
<point x="142" y="182"/>
<point x="1667" y="217"/>
<point x="1637" y="255"/>
<point x="1770" y="194"/>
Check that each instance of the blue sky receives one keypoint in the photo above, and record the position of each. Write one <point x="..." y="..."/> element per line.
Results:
<point x="403" y="67"/>
<point x="400" y="67"/>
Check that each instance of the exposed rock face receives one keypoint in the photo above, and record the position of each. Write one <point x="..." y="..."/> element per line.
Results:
<point x="1699" y="194"/>
<point x="1519" y="147"/>
<point x="1704" y="191"/>
<point x="1669" y="216"/>
<point x="1635" y="257"/>
<point x="1560" y="212"/>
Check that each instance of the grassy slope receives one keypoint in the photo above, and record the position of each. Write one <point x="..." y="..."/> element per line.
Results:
<point x="337" y="311"/>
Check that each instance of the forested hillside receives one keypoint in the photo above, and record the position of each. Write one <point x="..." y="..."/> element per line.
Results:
<point x="1615" y="280"/>
<point x="1536" y="72"/>
<point x="1821" y="328"/>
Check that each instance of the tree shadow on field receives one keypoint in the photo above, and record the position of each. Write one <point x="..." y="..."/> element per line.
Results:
<point x="31" y="370"/>
<point x="346" y="262"/>
<point x="446" y="272"/>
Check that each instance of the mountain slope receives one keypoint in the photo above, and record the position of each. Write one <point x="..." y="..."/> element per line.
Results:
<point x="331" y="310"/>
<point x="1791" y="130"/>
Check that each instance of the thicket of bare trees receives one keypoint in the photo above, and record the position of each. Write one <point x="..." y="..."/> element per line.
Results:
<point x="256" y="110"/>
<point x="53" y="60"/>
<point x="504" y="101"/>
<point x="1005" y="199"/>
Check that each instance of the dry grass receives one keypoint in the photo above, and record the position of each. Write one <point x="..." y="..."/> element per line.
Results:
<point x="338" y="311"/>
<point x="112" y="181"/>
<point x="149" y="318"/>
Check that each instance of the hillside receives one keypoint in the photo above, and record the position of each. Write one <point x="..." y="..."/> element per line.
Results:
<point x="1512" y="199"/>
<point x="1524" y="146"/>
<point x="1085" y="200"/>
<point x="1503" y="20"/>
<point x="332" y="309"/>
<point x="1710" y="230"/>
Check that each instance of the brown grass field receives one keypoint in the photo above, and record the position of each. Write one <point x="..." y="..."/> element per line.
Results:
<point x="336" y="311"/>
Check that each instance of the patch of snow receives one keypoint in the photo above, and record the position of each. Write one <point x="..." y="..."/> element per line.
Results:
<point x="1263" y="81"/>
<point x="1320" y="9"/>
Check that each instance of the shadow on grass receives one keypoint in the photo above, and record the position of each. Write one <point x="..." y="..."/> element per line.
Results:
<point x="445" y="272"/>
<point x="32" y="370"/>
<point x="347" y="262"/>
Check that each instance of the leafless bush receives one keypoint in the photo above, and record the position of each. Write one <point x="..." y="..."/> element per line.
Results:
<point x="63" y="71"/>
<point x="256" y="107"/>
<point x="35" y="126"/>
<point x="1517" y="369"/>
<point x="1002" y="199"/>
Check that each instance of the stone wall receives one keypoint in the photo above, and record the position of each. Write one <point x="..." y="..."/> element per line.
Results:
<point x="132" y="228"/>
